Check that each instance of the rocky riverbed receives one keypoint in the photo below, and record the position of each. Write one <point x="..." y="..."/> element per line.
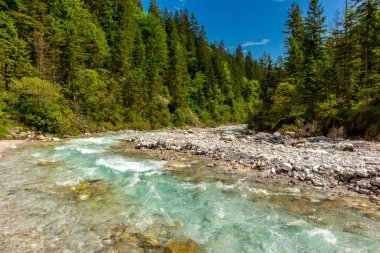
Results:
<point x="334" y="166"/>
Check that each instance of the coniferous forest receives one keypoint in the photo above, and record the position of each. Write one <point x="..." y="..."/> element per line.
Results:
<point x="70" y="66"/>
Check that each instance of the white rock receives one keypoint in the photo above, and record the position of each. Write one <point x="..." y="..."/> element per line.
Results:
<point x="286" y="167"/>
<point x="362" y="173"/>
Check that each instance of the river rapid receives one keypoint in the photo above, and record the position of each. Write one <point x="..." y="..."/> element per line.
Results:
<point x="86" y="195"/>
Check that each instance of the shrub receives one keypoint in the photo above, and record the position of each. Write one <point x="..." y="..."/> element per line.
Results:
<point x="41" y="106"/>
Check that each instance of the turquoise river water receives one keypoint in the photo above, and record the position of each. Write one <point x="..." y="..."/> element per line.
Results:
<point x="83" y="195"/>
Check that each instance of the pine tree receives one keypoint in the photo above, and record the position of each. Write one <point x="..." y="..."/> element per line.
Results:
<point x="156" y="52"/>
<point x="312" y="88"/>
<point x="295" y="35"/>
<point x="367" y="12"/>
<point x="14" y="54"/>
<point x="250" y="66"/>
<point x="178" y="78"/>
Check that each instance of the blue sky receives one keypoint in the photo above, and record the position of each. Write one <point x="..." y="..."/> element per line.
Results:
<point x="256" y="24"/>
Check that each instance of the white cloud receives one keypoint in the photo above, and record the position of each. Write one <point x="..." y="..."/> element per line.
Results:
<point x="256" y="43"/>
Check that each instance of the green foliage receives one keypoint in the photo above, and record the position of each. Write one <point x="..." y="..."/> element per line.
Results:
<point x="41" y="105"/>
<point x="179" y="118"/>
<point x="6" y="5"/>
<point x="14" y="55"/>
<point x="107" y="65"/>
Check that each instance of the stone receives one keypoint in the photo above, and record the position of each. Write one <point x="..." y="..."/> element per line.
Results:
<point x="46" y="164"/>
<point x="151" y="242"/>
<point x="316" y="168"/>
<point x="363" y="191"/>
<point x="317" y="182"/>
<point x="41" y="137"/>
<point x="363" y="184"/>
<point x="182" y="247"/>
<point x="266" y="173"/>
<point x="361" y="173"/>
<point x="374" y="198"/>
<point x="290" y="134"/>
<point x="228" y="138"/>
<point x="376" y="182"/>
<point x="286" y="166"/>
<point x="130" y="239"/>
<point x="23" y="135"/>
<point x="346" y="147"/>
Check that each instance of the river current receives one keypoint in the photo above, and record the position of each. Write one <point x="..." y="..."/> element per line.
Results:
<point x="83" y="195"/>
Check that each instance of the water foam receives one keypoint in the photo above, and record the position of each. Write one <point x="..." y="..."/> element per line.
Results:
<point x="135" y="179"/>
<point x="326" y="234"/>
<point x="88" y="151"/>
<point x="222" y="186"/>
<point x="120" y="164"/>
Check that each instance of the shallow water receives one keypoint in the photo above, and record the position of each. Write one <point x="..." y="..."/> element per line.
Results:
<point x="82" y="196"/>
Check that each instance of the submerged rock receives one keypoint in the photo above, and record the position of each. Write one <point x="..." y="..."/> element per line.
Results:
<point x="86" y="190"/>
<point x="47" y="164"/>
<point x="151" y="242"/>
<point x="182" y="247"/>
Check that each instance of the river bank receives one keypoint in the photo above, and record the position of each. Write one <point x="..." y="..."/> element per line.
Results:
<point x="9" y="145"/>
<point x="333" y="166"/>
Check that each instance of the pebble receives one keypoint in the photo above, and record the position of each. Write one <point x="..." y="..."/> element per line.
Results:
<point x="323" y="163"/>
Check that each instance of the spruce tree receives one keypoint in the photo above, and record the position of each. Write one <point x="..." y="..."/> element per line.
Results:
<point x="313" y="85"/>
<point x="14" y="54"/>
<point x="295" y="35"/>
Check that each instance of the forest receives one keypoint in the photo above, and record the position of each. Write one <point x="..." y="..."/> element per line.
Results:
<point x="72" y="66"/>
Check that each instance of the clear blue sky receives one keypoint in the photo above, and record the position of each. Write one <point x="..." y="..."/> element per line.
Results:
<point x="259" y="24"/>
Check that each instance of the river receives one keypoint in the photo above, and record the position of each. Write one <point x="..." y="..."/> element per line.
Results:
<point x="85" y="195"/>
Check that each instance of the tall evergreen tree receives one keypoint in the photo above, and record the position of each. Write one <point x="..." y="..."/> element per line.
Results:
<point x="295" y="36"/>
<point x="14" y="55"/>
<point x="312" y="87"/>
<point x="178" y="77"/>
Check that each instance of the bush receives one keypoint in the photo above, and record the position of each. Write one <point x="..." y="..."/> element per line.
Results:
<point x="364" y="121"/>
<point x="179" y="118"/>
<point x="41" y="106"/>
